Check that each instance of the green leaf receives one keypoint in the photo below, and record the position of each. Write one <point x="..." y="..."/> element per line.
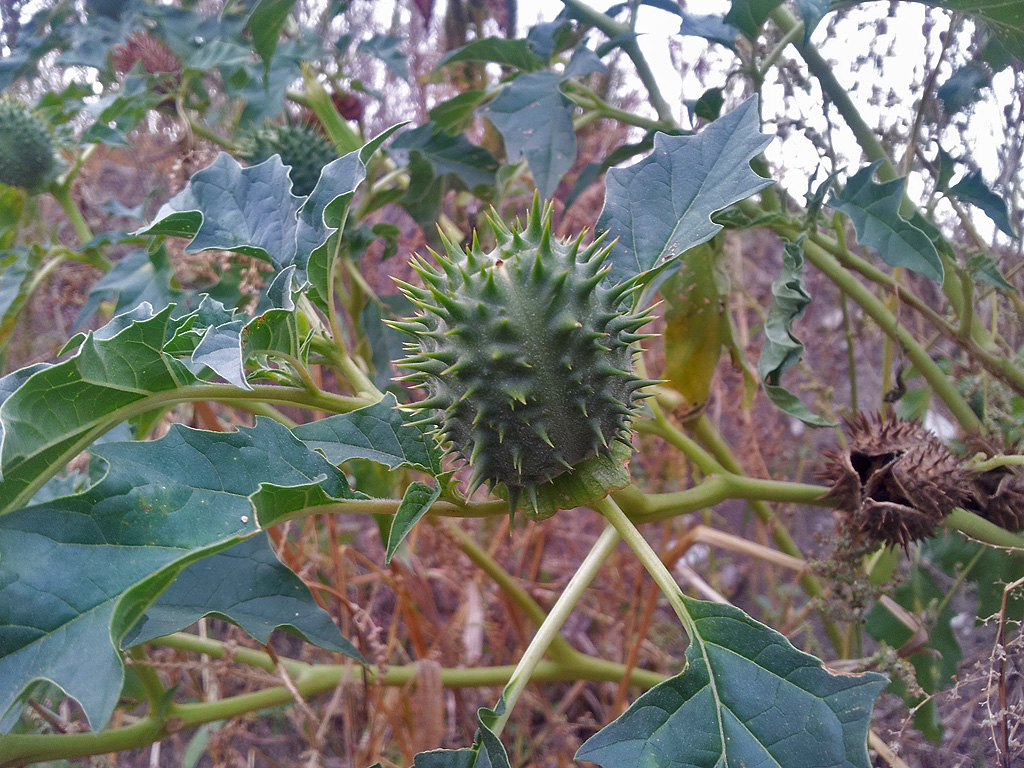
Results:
<point x="749" y="15"/>
<point x="12" y="201"/>
<point x="696" y="323"/>
<point x="781" y="349"/>
<point x="709" y="106"/>
<point x="535" y="120"/>
<point x="248" y="585"/>
<point x="77" y="572"/>
<point x="661" y="206"/>
<point x="474" y="165"/>
<point x="415" y="503"/>
<point x="874" y="210"/>
<point x="487" y="750"/>
<point x="230" y="208"/>
<point x="812" y="11"/>
<point x="947" y="166"/>
<point x="511" y="53"/>
<point x="972" y="189"/>
<point x="59" y="410"/>
<point x="264" y="23"/>
<point x="1003" y="17"/>
<point x="377" y="432"/>
<point x="217" y="53"/>
<point x="17" y="267"/>
<point x="456" y="114"/>
<point x="139" y="276"/>
<point x="963" y="87"/>
<point x="747" y="697"/>
<point x="985" y="268"/>
<point x="228" y="345"/>
<point x="387" y="49"/>
<point x="252" y="211"/>
<point x="714" y="29"/>
<point x="326" y="211"/>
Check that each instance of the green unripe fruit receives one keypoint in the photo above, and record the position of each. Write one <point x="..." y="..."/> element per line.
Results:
<point x="27" y="158"/>
<point x="527" y="357"/>
<point x="300" y="146"/>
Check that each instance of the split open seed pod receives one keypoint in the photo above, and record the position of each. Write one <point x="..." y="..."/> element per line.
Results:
<point x="895" y="482"/>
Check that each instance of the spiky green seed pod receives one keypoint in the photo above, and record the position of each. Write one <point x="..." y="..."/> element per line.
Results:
<point x="299" y="146"/>
<point x="27" y="154"/>
<point x="526" y="355"/>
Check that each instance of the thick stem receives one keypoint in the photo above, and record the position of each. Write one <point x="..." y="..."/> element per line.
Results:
<point x="559" y="647"/>
<point x="984" y="531"/>
<point x="552" y="625"/>
<point x="62" y="194"/>
<point x="310" y="680"/>
<point x="613" y="29"/>
<point x="885" y="320"/>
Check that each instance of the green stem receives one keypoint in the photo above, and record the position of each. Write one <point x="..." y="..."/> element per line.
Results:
<point x="559" y="647"/>
<point x="614" y="29"/>
<point x="675" y="437"/>
<point x="390" y="507"/>
<point x="62" y="194"/>
<point x="791" y="36"/>
<point x="552" y="624"/>
<point x="261" y="409"/>
<point x="650" y="560"/>
<point x="851" y="354"/>
<point x="310" y="680"/>
<point x="267" y="394"/>
<point x="885" y="320"/>
<point x="982" y="530"/>
<point x="824" y="260"/>
<point x="214" y="138"/>
<point x="589" y="100"/>
<point x="1001" y="460"/>
<point x="150" y="680"/>
<point x="820" y="68"/>
<point x="709" y="436"/>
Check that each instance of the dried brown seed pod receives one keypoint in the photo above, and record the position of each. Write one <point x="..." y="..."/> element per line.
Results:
<point x="155" y="56"/>
<point x="997" y="494"/>
<point x="895" y="482"/>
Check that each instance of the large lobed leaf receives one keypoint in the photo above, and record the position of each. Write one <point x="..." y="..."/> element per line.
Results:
<point x="252" y="211"/>
<point x="747" y="697"/>
<point x="77" y="572"/>
<point x="535" y="120"/>
<point x="378" y="432"/>
<point x="661" y="206"/>
<point x="874" y="210"/>
<point x="248" y="585"/>
<point x="58" y="410"/>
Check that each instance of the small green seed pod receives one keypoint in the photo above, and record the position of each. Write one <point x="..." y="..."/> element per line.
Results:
<point x="27" y="153"/>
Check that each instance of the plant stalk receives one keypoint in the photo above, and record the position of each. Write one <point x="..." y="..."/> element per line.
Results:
<point x="552" y="625"/>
